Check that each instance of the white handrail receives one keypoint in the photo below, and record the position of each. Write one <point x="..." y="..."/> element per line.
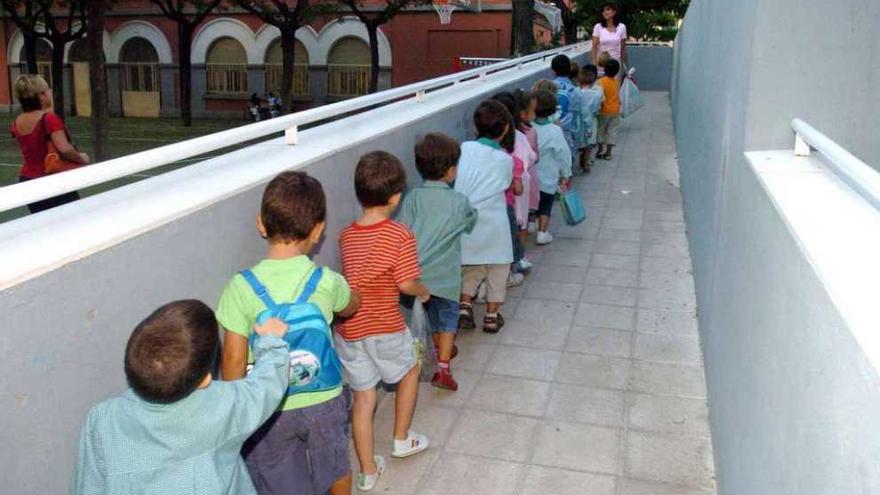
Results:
<point x="854" y="172"/>
<point x="16" y="195"/>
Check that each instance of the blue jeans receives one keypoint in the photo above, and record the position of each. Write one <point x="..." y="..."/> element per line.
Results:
<point x="518" y="250"/>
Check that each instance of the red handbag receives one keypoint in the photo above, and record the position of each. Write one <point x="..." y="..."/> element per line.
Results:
<point x="53" y="163"/>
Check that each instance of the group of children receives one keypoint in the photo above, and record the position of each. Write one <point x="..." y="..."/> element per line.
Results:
<point x="282" y="418"/>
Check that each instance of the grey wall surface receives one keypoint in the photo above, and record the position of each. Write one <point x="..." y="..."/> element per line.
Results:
<point x="653" y="66"/>
<point x="793" y="401"/>
<point x="57" y="364"/>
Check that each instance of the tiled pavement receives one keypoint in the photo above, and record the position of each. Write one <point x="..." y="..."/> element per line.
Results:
<point x="595" y="386"/>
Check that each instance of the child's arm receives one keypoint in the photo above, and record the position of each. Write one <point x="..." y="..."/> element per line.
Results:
<point x="88" y="475"/>
<point x="354" y="303"/>
<point x="233" y="363"/>
<point x="517" y="187"/>
<point x="565" y="159"/>
<point x="415" y="288"/>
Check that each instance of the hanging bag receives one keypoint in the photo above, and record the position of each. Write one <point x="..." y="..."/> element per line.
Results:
<point x="573" y="211"/>
<point x="631" y="99"/>
<point x="53" y="163"/>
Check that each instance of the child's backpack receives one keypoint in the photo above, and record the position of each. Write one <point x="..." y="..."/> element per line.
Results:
<point x="314" y="365"/>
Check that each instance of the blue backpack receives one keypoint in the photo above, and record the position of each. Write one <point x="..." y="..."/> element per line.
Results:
<point x="314" y="365"/>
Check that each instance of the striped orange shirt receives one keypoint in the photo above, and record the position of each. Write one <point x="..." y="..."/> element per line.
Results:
<point x="375" y="259"/>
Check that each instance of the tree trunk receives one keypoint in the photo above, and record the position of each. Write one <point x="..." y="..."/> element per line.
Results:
<point x="30" y="51"/>
<point x="288" y="45"/>
<point x="58" y="77"/>
<point x="184" y="50"/>
<point x="569" y="22"/>
<point x="98" y="80"/>
<point x="522" y="32"/>
<point x="373" y="33"/>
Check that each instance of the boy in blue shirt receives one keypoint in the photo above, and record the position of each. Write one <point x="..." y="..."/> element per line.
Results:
<point x="438" y="216"/>
<point x="304" y="447"/>
<point x="175" y="430"/>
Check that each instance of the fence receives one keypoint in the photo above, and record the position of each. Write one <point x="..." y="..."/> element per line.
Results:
<point x="226" y="78"/>
<point x="300" y="79"/>
<point x="348" y="80"/>
<point x="140" y="76"/>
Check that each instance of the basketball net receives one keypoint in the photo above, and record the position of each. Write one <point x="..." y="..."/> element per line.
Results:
<point x="444" y="9"/>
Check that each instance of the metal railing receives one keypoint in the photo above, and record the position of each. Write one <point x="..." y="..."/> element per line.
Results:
<point x="300" y="78"/>
<point x="855" y="173"/>
<point x="140" y="76"/>
<point x="347" y="80"/>
<point x="23" y="193"/>
<point x="465" y="63"/>
<point x="226" y="78"/>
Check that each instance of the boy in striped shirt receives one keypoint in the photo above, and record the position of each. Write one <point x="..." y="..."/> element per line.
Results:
<point x="380" y="261"/>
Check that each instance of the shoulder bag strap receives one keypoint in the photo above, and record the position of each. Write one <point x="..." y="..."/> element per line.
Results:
<point x="259" y="289"/>
<point x="311" y="286"/>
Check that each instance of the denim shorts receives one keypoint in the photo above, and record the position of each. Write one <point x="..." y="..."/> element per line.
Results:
<point x="301" y="450"/>
<point x="442" y="314"/>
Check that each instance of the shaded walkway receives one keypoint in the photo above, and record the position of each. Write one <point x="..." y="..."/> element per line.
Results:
<point x="595" y="386"/>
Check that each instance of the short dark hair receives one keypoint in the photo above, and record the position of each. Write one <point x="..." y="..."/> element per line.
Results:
<point x="546" y="103"/>
<point x="436" y="153"/>
<point x="172" y="351"/>
<point x="575" y="70"/>
<point x="379" y="176"/>
<point x="615" y="19"/>
<point x="490" y="119"/>
<point x="523" y="100"/>
<point x="561" y="65"/>
<point x="293" y="203"/>
<point x="612" y="68"/>
<point x="586" y="77"/>
<point x="590" y="68"/>
<point x="506" y="98"/>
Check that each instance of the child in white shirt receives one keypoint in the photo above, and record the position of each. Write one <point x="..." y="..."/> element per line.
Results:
<point x="592" y="97"/>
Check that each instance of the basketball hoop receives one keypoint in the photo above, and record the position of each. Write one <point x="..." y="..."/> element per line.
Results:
<point x="445" y="8"/>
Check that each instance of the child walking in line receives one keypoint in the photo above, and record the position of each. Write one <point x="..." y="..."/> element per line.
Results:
<point x="380" y="260"/>
<point x="176" y="430"/>
<point x="592" y="98"/>
<point x="303" y="448"/>
<point x="438" y="216"/>
<point x="554" y="162"/>
<point x="609" y="113"/>
<point x="485" y="172"/>
<point x="526" y="104"/>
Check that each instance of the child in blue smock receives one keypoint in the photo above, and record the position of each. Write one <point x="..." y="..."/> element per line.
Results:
<point x="554" y="162"/>
<point x="592" y="98"/>
<point x="485" y="172"/>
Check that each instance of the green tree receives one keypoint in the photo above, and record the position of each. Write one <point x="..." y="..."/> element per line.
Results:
<point x="26" y="16"/>
<point x="187" y="14"/>
<point x="523" y="29"/>
<point x="649" y="20"/>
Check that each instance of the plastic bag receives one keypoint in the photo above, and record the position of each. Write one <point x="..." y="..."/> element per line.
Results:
<point x="573" y="211"/>
<point x="424" y="344"/>
<point x="630" y="98"/>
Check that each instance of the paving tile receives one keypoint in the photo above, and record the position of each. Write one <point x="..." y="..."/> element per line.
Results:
<point x="610" y="276"/>
<point x="606" y="294"/>
<point x="667" y="299"/>
<point x="667" y="378"/>
<point x="619" y="235"/>
<point x="617" y="247"/>
<point x="537" y="334"/>
<point x="458" y="474"/>
<point x="435" y="422"/>
<point x="576" y="446"/>
<point x="668" y="348"/>
<point x="669" y="458"/>
<point x="674" y="215"/>
<point x="668" y="414"/>
<point x="623" y="213"/>
<point x="639" y="487"/>
<point x="566" y="258"/>
<point x="660" y="264"/>
<point x="543" y="481"/>
<point x="623" y="223"/>
<point x="556" y="273"/>
<point x="667" y="249"/>
<point x="657" y="237"/>
<point x="599" y="341"/>
<point x="555" y="291"/>
<point x="491" y="434"/>
<point x="467" y="381"/>
<point x="557" y="312"/>
<point x="402" y="476"/>
<point x="524" y="362"/>
<point x="579" y="404"/>
<point x="605" y="316"/>
<point x="594" y="371"/>
<point x="670" y="322"/>
<point x="614" y="261"/>
<point x="510" y="395"/>
<point x="473" y="356"/>
<point x="665" y="226"/>
<point x="667" y="281"/>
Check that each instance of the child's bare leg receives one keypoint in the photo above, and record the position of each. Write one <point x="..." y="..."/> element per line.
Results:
<point x="492" y="308"/>
<point x="342" y="486"/>
<point x="467" y="299"/>
<point x="405" y="403"/>
<point x="443" y="342"/>
<point x="523" y="236"/>
<point x="362" y="428"/>
<point x="543" y="223"/>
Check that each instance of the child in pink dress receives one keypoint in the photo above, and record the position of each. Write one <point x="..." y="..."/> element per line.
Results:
<point x="524" y="115"/>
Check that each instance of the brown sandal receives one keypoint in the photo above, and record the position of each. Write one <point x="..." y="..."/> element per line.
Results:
<point x="466" y="317"/>
<point x="493" y="324"/>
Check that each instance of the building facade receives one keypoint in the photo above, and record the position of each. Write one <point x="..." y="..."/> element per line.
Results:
<point x="235" y="54"/>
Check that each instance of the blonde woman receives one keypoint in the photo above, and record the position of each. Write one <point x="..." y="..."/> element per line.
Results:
<point x="33" y="128"/>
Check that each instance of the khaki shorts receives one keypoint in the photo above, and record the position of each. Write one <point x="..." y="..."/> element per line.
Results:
<point x="495" y="277"/>
<point x="608" y="127"/>
<point x="387" y="357"/>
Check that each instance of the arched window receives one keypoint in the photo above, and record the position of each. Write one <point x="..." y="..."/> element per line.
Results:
<point x="79" y="51"/>
<point x="348" y="68"/>
<point x="226" y="67"/>
<point x="273" y="63"/>
<point x="44" y="60"/>
<point x="139" y="63"/>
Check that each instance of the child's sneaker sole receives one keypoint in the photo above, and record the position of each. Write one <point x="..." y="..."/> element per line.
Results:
<point x="422" y="446"/>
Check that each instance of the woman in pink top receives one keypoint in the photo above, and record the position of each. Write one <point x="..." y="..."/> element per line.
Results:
<point x="610" y="36"/>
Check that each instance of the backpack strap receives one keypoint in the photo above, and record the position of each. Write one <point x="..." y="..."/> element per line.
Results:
<point x="259" y="289"/>
<point x="311" y="285"/>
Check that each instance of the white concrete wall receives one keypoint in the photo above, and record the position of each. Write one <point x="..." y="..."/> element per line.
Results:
<point x="65" y="331"/>
<point x="793" y="394"/>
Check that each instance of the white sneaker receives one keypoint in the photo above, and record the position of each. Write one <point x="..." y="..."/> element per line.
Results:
<point x="543" y="238"/>
<point x="414" y="443"/>
<point x="525" y="265"/>
<point x="532" y="227"/>
<point x="366" y="482"/>
<point x="515" y="279"/>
